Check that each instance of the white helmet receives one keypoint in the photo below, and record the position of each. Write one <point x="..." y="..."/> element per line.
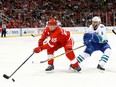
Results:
<point x="96" y="18"/>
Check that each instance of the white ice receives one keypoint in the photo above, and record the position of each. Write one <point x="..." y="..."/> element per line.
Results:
<point x="14" y="51"/>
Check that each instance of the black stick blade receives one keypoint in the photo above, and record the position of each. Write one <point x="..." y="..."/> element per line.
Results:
<point x="32" y="35"/>
<point x="44" y="61"/>
<point x="114" y="32"/>
<point x="5" y="76"/>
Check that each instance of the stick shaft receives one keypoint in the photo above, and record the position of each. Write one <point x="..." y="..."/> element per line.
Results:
<point x="62" y="54"/>
<point x="33" y="35"/>
<point x="114" y="32"/>
<point x="21" y="65"/>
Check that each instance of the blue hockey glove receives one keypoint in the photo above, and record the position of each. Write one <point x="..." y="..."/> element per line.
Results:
<point x="92" y="37"/>
<point x="87" y="38"/>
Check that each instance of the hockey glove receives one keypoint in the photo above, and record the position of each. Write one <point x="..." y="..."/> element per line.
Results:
<point x="37" y="49"/>
<point x="92" y="37"/>
<point x="87" y="38"/>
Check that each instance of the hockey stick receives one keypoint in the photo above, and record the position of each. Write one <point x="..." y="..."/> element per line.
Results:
<point x="61" y="54"/>
<point x="114" y="32"/>
<point x="33" y="35"/>
<point x="7" y="77"/>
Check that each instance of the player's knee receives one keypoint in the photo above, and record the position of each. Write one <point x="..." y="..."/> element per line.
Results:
<point x="70" y="55"/>
<point x="108" y="52"/>
<point x="85" y="55"/>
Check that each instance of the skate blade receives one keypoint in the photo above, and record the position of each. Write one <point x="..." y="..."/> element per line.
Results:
<point x="101" y="71"/>
<point x="49" y="72"/>
<point x="71" y="70"/>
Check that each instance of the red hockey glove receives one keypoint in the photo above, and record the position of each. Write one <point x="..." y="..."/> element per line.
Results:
<point x="37" y="49"/>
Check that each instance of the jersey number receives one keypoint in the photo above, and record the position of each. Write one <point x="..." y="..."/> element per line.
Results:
<point x="64" y="32"/>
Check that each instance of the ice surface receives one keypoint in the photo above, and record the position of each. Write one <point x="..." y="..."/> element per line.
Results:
<point x="13" y="51"/>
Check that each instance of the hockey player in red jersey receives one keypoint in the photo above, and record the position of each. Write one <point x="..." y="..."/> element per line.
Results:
<point x="58" y="38"/>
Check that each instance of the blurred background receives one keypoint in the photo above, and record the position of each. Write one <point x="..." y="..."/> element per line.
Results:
<point x="70" y="13"/>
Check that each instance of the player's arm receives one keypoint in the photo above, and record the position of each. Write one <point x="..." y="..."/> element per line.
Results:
<point x="43" y="37"/>
<point x="50" y="44"/>
<point x="40" y="48"/>
<point x="89" y="29"/>
<point x="92" y="37"/>
<point x="102" y="34"/>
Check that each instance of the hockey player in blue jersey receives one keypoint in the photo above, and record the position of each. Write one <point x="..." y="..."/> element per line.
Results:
<point x="95" y="39"/>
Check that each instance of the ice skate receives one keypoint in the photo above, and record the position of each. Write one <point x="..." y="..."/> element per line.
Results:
<point x="78" y="68"/>
<point x="50" y="68"/>
<point x="100" y="67"/>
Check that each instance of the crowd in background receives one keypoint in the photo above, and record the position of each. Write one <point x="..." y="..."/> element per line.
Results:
<point x="71" y="13"/>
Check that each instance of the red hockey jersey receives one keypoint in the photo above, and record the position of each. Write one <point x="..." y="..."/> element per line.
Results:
<point x="58" y="36"/>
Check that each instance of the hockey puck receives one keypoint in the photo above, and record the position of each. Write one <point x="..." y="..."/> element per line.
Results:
<point x="32" y="61"/>
<point x="13" y="80"/>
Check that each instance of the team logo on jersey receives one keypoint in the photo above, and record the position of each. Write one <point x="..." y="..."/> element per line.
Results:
<point x="54" y="39"/>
